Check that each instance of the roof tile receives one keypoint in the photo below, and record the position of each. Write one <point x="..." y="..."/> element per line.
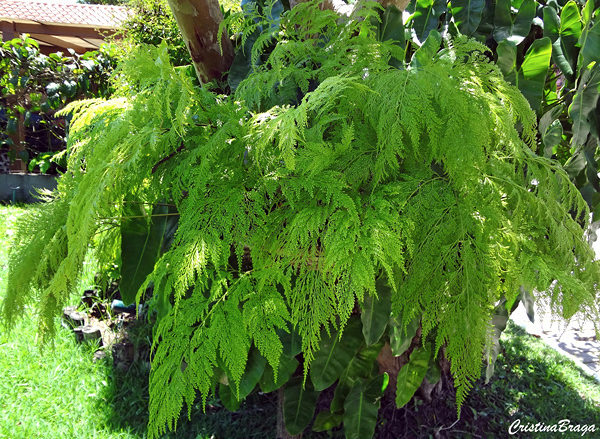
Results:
<point x="61" y="13"/>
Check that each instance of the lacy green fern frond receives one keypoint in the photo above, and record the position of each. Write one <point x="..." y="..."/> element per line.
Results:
<point x="325" y="170"/>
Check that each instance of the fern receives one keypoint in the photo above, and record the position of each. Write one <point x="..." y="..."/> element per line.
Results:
<point x="326" y="168"/>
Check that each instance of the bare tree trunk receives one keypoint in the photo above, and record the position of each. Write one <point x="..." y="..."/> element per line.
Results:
<point x="198" y="22"/>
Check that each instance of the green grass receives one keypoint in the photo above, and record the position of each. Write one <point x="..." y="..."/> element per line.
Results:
<point x="59" y="392"/>
<point x="534" y="383"/>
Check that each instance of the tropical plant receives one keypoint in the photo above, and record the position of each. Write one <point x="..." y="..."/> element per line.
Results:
<point x="353" y="207"/>
<point x="551" y="51"/>
<point x="33" y="86"/>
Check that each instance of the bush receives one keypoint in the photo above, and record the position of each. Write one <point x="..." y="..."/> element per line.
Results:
<point x="33" y="87"/>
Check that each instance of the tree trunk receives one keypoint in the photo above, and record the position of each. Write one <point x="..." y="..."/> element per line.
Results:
<point x="198" y="22"/>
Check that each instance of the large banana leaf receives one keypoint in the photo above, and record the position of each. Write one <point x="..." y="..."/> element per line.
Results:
<point x="400" y="337"/>
<point x="427" y="16"/>
<point x="570" y="32"/>
<point x="287" y="367"/>
<point x="467" y="15"/>
<point x="533" y="71"/>
<point x="584" y="105"/>
<point x="515" y="31"/>
<point x="362" y="366"/>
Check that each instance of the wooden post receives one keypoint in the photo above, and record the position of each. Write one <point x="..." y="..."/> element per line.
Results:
<point x="18" y="137"/>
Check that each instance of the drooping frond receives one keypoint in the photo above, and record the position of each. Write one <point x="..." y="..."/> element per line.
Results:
<point x="326" y="168"/>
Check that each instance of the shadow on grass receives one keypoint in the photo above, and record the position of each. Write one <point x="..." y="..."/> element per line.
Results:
<point x="532" y="383"/>
<point x="124" y="403"/>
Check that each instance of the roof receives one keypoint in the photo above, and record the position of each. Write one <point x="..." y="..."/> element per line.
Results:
<point x="60" y="26"/>
<point x="99" y="16"/>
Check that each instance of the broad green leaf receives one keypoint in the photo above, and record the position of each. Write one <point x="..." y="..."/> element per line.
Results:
<point x="400" y="337"/>
<point x="507" y="59"/>
<point x="575" y="164"/>
<point x="411" y="374"/>
<point x="424" y="55"/>
<point x="551" y="23"/>
<point x="587" y="12"/>
<point x="467" y="15"/>
<point x="255" y="368"/>
<point x="532" y="74"/>
<point x="434" y="373"/>
<point x="570" y="20"/>
<point x="549" y="127"/>
<point x="376" y="312"/>
<point x="291" y="341"/>
<point x="391" y="27"/>
<point x="298" y="405"/>
<point x="227" y="398"/>
<point x="362" y="366"/>
<point x="570" y="32"/>
<point x="507" y="29"/>
<point x="486" y="26"/>
<point x="326" y="420"/>
<point x="334" y="355"/>
<point x="502" y="21"/>
<point x="427" y="16"/>
<point x="287" y="367"/>
<point x="584" y="104"/>
<point x="591" y="168"/>
<point x="548" y="117"/>
<point x="552" y="137"/>
<point x="523" y="21"/>
<point x="559" y="58"/>
<point x="590" y="46"/>
<point x="361" y="408"/>
<point x="142" y="240"/>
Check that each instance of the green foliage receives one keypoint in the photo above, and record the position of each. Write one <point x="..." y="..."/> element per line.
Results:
<point x="550" y="51"/>
<point x="327" y="169"/>
<point x="411" y="375"/>
<point x="361" y="406"/>
<point x="152" y="22"/>
<point x="33" y="86"/>
<point x="143" y="239"/>
<point x="298" y="406"/>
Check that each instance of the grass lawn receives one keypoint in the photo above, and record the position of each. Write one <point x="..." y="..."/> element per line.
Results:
<point x="59" y="392"/>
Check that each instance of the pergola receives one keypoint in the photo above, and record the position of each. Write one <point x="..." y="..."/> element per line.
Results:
<point x="59" y="26"/>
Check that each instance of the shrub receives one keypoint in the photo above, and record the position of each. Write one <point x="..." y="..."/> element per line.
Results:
<point x="340" y="203"/>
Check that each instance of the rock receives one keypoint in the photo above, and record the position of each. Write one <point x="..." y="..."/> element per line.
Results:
<point x="72" y="318"/>
<point x="99" y="355"/>
<point x="91" y="332"/>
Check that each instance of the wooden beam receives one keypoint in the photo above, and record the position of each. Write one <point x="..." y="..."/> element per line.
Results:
<point x="61" y="31"/>
<point x="59" y="42"/>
